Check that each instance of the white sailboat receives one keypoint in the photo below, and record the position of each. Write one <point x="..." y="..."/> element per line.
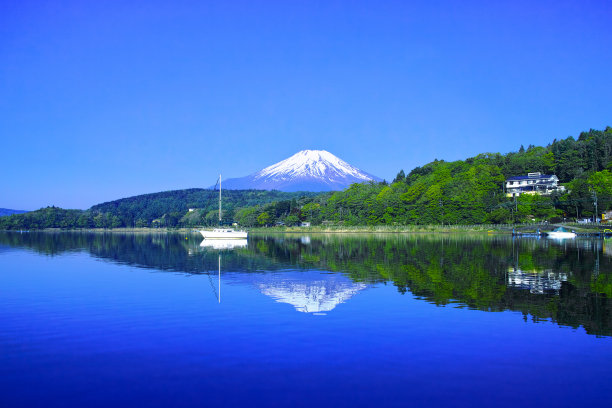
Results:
<point x="561" y="233"/>
<point x="223" y="233"/>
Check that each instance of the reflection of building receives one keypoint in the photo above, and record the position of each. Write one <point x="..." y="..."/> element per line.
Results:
<point x="538" y="282"/>
<point x="308" y="292"/>
<point x="533" y="183"/>
<point x="607" y="246"/>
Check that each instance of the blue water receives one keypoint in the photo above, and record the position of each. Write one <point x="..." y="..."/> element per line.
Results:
<point x="80" y="327"/>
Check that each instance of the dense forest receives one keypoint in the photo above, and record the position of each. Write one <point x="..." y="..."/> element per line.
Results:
<point x="467" y="191"/>
<point x="6" y="211"/>
<point x="191" y="207"/>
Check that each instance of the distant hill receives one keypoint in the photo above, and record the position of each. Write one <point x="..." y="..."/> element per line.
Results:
<point x="177" y="203"/>
<point x="190" y="207"/>
<point x="307" y="170"/>
<point x="5" y="211"/>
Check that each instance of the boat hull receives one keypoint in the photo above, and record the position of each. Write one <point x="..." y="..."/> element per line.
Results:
<point x="561" y="235"/>
<point x="223" y="234"/>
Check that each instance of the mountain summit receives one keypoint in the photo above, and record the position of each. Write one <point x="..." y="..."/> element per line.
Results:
<point x="308" y="170"/>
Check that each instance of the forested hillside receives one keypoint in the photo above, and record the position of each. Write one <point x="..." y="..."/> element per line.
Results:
<point x="164" y="209"/>
<point x="6" y="211"/>
<point x="469" y="191"/>
<point x="171" y="208"/>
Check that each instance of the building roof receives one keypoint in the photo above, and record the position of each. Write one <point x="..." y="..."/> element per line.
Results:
<point x="541" y="176"/>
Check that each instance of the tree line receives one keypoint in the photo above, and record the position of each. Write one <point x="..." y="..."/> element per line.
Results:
<point x="169" y="209"/>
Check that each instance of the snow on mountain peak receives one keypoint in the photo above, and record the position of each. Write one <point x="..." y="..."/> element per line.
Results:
<point x="307" y="170"/>
<point x="312" y="163"/>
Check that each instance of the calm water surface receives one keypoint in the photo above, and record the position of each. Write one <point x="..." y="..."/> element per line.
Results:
<point x="362" y="320"/>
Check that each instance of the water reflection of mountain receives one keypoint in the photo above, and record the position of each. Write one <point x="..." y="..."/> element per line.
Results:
<point x="471" y="271"/>
<point x="307" y="291"/>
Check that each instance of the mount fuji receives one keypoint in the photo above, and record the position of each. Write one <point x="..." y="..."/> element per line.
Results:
<point x="307" y="170"/>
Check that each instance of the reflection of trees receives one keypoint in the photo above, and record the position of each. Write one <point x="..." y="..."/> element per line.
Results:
<point x="468" y="270"/>
<point x="471" y="271"/>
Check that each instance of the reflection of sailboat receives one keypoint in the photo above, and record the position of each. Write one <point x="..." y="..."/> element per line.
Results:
<point x="223" y="243"/>
<point x="223" y="233"/>
<point x="216" y="291"/>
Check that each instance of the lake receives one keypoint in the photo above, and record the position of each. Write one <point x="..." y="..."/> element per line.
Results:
<point x="158" y="320"/>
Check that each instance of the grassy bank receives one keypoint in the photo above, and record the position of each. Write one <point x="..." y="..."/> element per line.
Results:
<point x="387" y="229"/>
<point x="312" y="229"/>
<point x="479" y="228"/>
<point x="340" y="229"/>
<point x="142" y="230"/>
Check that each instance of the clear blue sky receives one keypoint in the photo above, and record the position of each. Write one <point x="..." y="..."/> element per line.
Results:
<point x="103" y="100"/>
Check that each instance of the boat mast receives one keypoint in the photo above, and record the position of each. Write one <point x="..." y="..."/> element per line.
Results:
<point x="219" y="200"/>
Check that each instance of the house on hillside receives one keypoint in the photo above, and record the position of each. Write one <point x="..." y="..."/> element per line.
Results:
<point x="533" y="183"/>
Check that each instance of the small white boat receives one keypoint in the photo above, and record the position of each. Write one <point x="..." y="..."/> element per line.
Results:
<point x="561" y="232"/>
<point x="223" y="233"/>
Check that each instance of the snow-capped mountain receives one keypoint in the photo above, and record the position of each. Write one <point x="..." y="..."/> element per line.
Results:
<point x="308" y="170"/>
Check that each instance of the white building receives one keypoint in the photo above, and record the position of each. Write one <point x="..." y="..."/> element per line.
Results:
<point x="533" y="183"/>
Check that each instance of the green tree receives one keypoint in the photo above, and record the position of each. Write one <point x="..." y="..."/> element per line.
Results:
<point x="263" y="219"/>
<point x="292" y="219"/>
<point x="212" y="217"/>
<point x="601" y="184"/>
<point x="401" y="177"/>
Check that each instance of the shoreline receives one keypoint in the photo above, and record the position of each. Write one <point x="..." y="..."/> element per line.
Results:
<point x="503" y="229"/>
<point x="284" y="230"/>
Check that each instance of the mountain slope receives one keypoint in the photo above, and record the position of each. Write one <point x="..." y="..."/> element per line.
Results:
<point x="150" y="206"/>
<point x="167" y="208"/>
<point x="307" y="170"/>
<point x="6" y="211"/>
